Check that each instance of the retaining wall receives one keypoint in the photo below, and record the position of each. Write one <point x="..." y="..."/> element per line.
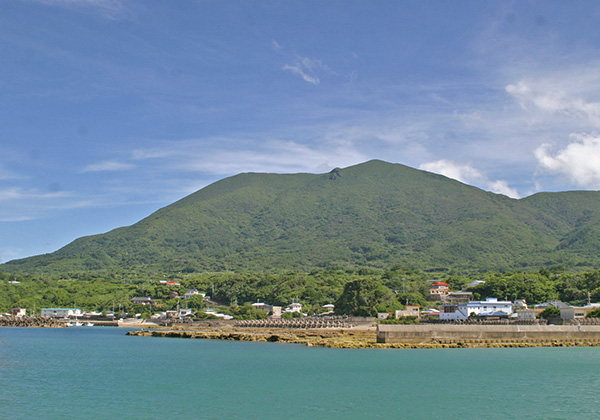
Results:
<point x="432" y="333"/>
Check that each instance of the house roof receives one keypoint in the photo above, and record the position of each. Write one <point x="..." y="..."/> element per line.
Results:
<point x="440" y="283"/>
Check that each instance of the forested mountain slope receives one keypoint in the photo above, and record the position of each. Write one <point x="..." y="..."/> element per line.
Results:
<point x="372" y="214"/>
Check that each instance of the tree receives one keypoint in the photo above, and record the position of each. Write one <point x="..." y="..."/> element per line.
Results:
<point x="550" y="312"/>
<point x="364" y="297"/>
<point x="594" y="313"/>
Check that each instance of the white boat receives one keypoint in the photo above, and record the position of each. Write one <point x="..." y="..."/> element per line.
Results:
<point x="89" y="324"/>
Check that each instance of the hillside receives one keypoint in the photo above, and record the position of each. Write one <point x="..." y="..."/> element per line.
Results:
<point x="372" y="214"/>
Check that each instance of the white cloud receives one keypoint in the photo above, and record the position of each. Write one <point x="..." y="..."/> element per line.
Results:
<point x="17" y="193"/>
<point x="556" y="97"/>
<point x="501" y="187"/>
<point x="108" y="166"/>
<point x="214" y="156"/>
<point x="298" y="70"/>
<point x="469" y="175"/>
<point x="462" y="173"/>
<point x="307" y="68"/>
<point x="112" y="9"/>
<point x="579" y="160"/>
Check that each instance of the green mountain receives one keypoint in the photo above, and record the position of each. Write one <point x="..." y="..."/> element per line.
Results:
<point x="373" y="214"/>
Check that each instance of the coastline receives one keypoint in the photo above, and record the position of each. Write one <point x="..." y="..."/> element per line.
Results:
<point x="354" y="338"/>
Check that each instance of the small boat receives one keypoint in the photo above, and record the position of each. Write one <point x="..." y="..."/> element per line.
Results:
<point x="89" y="324"/>
<point x="68" y="324"/>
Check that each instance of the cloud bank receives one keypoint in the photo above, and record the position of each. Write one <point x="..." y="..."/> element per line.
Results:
<point x="469" y="175"/>
<point x="579" y="160"/>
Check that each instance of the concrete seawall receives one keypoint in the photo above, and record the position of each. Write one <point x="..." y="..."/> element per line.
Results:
<point x="487" y="335"/>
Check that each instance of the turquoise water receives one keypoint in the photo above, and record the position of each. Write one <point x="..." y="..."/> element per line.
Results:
<point x="100" y="373"/>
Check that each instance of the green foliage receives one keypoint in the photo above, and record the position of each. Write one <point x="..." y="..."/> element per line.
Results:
<point x="366" y="297"/>
<point x="373" y="215"/>
<point x="594" y="313"/>
<point x="248" y="312"/>
<point x="360" y="292"/>
<point x="402" y="320"/>
<point x="550" y="312"/>
<point x="291" y="315"/>
<point x="534" y="288"/>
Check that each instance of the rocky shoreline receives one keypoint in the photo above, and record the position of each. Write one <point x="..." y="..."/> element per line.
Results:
<point x="346" y="338"/>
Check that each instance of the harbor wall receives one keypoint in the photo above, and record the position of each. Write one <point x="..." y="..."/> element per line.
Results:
<point x="451" y="334"/>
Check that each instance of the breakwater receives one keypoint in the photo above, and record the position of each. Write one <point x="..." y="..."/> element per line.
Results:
<point x="30" y="321"/>
<point x="399" y="336"/>
<point x="490" y="335"/>
<point x="301" y="323"/>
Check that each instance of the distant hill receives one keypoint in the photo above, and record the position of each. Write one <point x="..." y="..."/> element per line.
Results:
<point x="373" y="214"/>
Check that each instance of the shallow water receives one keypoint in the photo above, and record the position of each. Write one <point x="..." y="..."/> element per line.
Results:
<point x="90" y="373"/>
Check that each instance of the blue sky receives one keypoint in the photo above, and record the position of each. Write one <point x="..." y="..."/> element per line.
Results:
<point x="112" y="109"/>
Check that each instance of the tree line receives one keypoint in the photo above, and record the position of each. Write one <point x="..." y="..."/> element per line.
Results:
<point x="361" y="292"/>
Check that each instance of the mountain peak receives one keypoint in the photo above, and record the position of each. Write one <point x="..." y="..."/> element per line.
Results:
<point x="374" y="214"/>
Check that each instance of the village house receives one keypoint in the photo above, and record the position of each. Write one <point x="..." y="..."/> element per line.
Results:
<point x="276" y="312"/>
<point x="193" y="292"/>
<point x="18" y="312"/>
<point x="431" y="312"/>
<point x="527" y="314"/>
<point x="294" y="307"/>
<point x="218" y="315"/>
<point x="409" y="310"/>
<point x="439" y="291"/>
<point x="142" y="300"/>
<point x="329" y="307"/>
<point x="487" y="308"/>
<point x="459" y="298"/>
<point x="262" y="306"/>
<point x="61" y="312"/>
<point x="577" y="312"/>
<point x="185" y="313"/>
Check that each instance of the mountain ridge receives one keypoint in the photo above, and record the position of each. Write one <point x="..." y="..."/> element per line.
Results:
<point x="372" y="214"/>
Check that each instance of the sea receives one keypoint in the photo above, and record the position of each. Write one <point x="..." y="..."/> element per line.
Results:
<point x="101" y="373"/>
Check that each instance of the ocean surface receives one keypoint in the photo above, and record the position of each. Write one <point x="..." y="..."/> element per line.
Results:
<point x="100" y="373"/>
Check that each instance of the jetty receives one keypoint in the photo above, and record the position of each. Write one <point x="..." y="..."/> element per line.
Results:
<point x="31" y="321"/>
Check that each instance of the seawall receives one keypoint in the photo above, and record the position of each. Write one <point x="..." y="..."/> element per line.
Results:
<point x="489" y="335"/>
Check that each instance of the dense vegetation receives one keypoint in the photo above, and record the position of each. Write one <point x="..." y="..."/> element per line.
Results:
<point x="362" y="292"/>
<point x="371" y="215"/>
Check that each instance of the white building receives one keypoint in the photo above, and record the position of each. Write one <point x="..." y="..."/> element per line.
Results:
<point x="488" y="307"/>
<point x="185" y="312"/>
<point x="61" y="312"/>
<point x="294" y="307"/>
<point x="193" y="292"/>
<point x="18" y="312"/>
<point x="262" y="306"/>
<point x="218" y="315"/>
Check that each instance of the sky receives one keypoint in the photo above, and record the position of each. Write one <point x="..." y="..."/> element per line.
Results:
<point x="113" y="109"/>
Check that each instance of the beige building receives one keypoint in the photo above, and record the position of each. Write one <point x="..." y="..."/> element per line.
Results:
<point x="577" y="312"/>
<point x="459" y="298"/>
<point x="439" y="291"/>
<point x="409" y="310"/>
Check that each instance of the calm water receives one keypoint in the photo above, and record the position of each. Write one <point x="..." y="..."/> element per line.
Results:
<point x="99" y="373"/>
